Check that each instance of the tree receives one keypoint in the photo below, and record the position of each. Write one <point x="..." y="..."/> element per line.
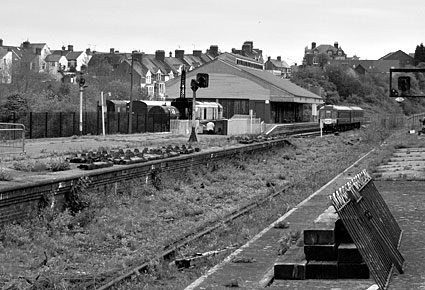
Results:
<point x="322" y="59"/>
<point x="419" y="54"/>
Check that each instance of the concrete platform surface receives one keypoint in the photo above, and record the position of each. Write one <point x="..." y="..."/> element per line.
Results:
<point x="406" y="201"/>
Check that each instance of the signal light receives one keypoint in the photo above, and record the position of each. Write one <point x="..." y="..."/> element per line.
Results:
<point x="404" y="83"/>
<point x="393" y="93"/>
<point x="202" y="80"/>
<point x="82" y="81"/>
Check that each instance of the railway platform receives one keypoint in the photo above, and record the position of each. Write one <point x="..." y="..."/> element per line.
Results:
<point x="404" y="197"/>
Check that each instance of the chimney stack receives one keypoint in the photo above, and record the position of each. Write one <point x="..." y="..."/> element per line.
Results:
<point x="112" y="50"/>
<point x="313" y="45"/>
<point x="138" y="56"/>
<point x="214" y="50"/>
<point x="279" y="58"/>
<point x="336" y="44"/>
<point x="160" y="55"/>
<point x="1" y="42"/>
<point x="70" y="48"/>
<point x="26" y="44"/>
<point x="38" y="51"/>
<point x="179" y="53"/>
<point x="197" y="53"/>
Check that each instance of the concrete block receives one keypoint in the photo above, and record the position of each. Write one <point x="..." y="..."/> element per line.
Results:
<point x="319" y="236"/>
<point x="341" y="233"/>
<point x="353" y="271"/>
<point x="291" y="266"/>
<point x="320" y="252"/>
<point x="322" y="270"/>
<point x="348" y="253"/>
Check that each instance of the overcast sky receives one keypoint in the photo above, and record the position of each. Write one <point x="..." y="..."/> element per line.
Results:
<point x="367" y="28"/>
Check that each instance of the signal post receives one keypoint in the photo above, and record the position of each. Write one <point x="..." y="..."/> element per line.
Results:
<point x="200" y="82"/>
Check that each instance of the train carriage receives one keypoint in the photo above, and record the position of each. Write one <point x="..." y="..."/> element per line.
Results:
<point x="340" y="118"/>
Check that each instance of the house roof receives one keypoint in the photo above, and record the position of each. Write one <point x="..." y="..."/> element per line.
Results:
<point x="73" y="55"/>
<point x="53" y="57"/>
<point x="281" y="89"/>
<point x="174" y="63"/>
<point x="279" y="63"/>
<point x="281" y="84"/>
<point x="233" y="57"/>
<point x="388" y="55"/>
<point x="151" y="63"/>
<point x="3" y="52"/>
<point x="374" y="66"/>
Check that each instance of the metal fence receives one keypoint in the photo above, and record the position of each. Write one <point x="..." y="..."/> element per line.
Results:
<point x="65" y="124"/>
<point x="413" y="121"/>
<point x="12" y="138"/>
<point x="371" y="225"/>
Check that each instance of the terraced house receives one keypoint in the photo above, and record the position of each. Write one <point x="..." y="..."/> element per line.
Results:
<point x="150" y="71"/>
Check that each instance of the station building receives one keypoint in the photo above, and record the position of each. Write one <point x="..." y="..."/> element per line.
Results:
<point x="242" y="86"/>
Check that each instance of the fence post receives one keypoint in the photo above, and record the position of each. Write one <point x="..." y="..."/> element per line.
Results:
<point x="46" y="124"/>
<point x="30" y="125"/>
<point x="118" y="123"/>
<point x="73" y="123"/>
<point x="60" y="124"/>
<point x="97" y="122"/>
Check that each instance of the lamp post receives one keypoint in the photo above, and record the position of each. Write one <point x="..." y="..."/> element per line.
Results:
<point x="130" y="116"/>
<point x="81" y="83"/>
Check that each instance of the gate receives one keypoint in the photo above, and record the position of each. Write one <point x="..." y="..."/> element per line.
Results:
<point x="12" y="138"/>
<point x="371" y="226"/>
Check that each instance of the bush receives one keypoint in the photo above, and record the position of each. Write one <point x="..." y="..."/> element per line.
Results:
<point x="30" y="165"/>
<point x="59" y="164"/>
<point x="5" y="174"/>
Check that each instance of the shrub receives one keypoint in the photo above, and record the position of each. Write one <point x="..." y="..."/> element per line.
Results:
<point x="59" y="164"/>
<point x="5" y="174"/>
<point x="30" y="165"/>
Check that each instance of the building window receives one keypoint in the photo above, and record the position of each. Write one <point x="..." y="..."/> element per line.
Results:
<point x="148" y="79"/>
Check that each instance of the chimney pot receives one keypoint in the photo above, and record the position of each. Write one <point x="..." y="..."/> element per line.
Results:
<point x="336" y="44"/>
<point x="112" y="50"/>
<point x="70" y="48"/>
<point x="313" y="45"/>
